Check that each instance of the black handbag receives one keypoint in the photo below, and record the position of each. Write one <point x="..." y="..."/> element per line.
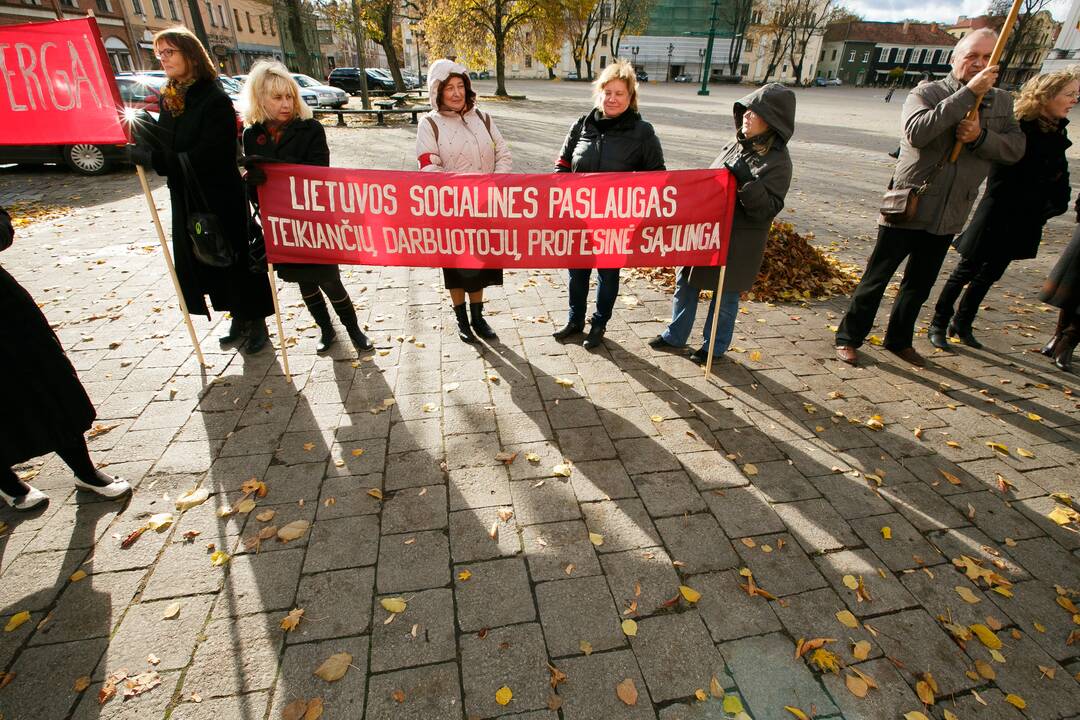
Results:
<point x="208" y="242"/>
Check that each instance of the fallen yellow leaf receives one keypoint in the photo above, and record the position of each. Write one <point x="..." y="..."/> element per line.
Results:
<point x="861" y="650"/>
<point x="375" y="493"/>
<point x="77" y="576"/>
<point x="966" y="594"/>
<point x="596" y="539"/>
<point x="16" y="620"/>
<point x="293" y="530"/>
<point x="796" y="711"/>
<point x="733" y="705"/>
<point x="394" y="604"/>
<point x="334" y="667"/>
<point x="627" y="692"/>
<point x="219" y="558"/>
<point x="290" y="621"/>
<point x="1016" y="701"/>
<point x="886" y="532"/>
<point x="1024" y="453"/>
<point x="986" y="636"/>
<point x="847" y="619"/>
<point x="561" y="470"/>
<point x="691" y="595"/>
<point x="160" y="521"/>
<point x="856" y="686"/>
<point x="464" y="575"/>
<point x="504" y="695"/>
<point x="629" y="627"/>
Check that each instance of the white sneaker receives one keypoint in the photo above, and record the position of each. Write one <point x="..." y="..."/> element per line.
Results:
<point x="32" y="499"/>
<point x="115" y="489"/>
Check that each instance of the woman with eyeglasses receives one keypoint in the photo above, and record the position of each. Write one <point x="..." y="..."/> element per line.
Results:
<point x="1019" y="199"/>
<point x="198" y="129"/>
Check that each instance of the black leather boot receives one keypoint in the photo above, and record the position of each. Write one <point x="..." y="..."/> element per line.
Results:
<point x="257" y="337"/>
<point x="317" y="307"/>
<point x="347" y="314"/>
<point x="1048" y="348"/>
<point x="479" y="324"/>
<point x="595" y="338"/>
<point x="956" y="329"/>
<point x="569" y="330"/>
<point x="464" y="329"/>
<point x="237" y="332"/>
<point x="937" y="337"/>
<point x="1063" y="353"/>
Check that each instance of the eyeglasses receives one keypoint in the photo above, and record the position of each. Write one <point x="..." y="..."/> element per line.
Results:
<point x="165" y="54"/>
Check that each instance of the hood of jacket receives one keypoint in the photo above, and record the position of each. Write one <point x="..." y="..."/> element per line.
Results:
<point x="439" y="71"/>
<point x="773" y="103"/>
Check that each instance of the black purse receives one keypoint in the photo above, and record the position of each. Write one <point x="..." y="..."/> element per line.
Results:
<point x="208" y="242"/>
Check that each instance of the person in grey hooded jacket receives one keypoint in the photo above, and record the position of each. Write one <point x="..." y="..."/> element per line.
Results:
<point x="934" y="118"/>
<point x="759" y="160"/>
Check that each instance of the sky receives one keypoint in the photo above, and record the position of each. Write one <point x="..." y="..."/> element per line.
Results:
<point x="932" y="10"/>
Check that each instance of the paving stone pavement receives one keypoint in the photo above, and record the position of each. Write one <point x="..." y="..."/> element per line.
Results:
<point x="766" y="466"/>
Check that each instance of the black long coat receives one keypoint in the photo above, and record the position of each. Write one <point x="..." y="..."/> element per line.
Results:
<point x="302" y="142"/>
<point x="45" y="405"/>
<point x="1062" y="286"/>
<point x="206" y="131"/>
<point x="1020" y="199"/>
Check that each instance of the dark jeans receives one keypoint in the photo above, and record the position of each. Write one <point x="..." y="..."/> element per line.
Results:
<point x="607" y="289"/>
<point x="924" y="252"/>
<point x="978" y="275"/>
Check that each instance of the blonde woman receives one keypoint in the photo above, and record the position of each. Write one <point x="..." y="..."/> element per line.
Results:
<point x="611" y="137"/>
<point x="280" y="127"/>
<point x="1019" y="199"/>
<point x="457" y="137"/>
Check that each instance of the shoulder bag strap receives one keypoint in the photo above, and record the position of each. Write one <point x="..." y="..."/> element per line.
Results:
<point x="434" y="127"/>
<point x="191" y="183"/>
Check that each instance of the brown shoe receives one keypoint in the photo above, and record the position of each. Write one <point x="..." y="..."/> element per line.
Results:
<point x="847" y="354"/>
<point x="909" y="355"/>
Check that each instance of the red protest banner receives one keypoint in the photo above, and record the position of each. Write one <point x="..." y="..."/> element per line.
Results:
<point x="56" y="85"/>
<point x="600" y="220"/>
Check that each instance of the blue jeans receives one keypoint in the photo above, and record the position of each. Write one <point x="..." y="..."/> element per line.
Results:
<point x="684" y="310"/>
<point x="607" y="289"/>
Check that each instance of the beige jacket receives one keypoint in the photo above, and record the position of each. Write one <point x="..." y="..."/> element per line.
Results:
<point x="462" y="143"/>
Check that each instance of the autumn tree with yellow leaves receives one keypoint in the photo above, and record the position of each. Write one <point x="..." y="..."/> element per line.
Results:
<point x="480" y="32"/>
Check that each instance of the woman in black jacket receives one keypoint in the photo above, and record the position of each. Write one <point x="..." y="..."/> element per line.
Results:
<point x="281" y="127"/>
<point x="198" y="121"/>
<point x="1019" y="199"/>
<point x="1062" y="290"/>
<point x="611" y="137"/>
<point x="46" y="408"/>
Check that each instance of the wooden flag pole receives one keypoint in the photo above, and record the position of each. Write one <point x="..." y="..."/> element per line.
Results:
<point x="999" y="48"/>
<point x="169" y="263"/>
<point x="277" y="315"/>
<point x="715" y="320"/>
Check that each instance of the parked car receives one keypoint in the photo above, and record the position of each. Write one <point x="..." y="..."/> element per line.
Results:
<point x="308" y="97"/>
<point x="412" y="80"/>
<point x="328" y="96"/>
<point x="348" y="79"/>
<point x="482" y="75"/>
<point x="684" y="78"/>
<point x="824" y="82"/>
<point x="573" y="75"/>
<point x="642" y="76"/>
<point x="140" y="91"/>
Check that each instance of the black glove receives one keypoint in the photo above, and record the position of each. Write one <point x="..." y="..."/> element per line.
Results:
<point x="140" y="155"/>
<point x="7" y="232"/>
<point x="255" y="175"/>
<point x="740" y="170"/>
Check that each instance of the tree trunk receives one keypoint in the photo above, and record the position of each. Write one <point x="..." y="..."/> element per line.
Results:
<point x="551" y="73"/>
<point x="386" y="27"/>
<point x="358" y="36"/>
<point x="500" y="61"/>
<point x="197" y="25"/>
<point x="302" y="59"/>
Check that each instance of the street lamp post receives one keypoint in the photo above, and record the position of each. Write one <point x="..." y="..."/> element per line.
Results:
<point x="701" y="61"/>
<point x="708" y="51"/>
<point x="634" y="51"/>
<point x="670" y="50"/>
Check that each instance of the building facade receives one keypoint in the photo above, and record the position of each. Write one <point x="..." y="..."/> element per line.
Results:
<point x="885" y="53"/>
<point x="1066" y="50"/>
<point x="257" y="35"/>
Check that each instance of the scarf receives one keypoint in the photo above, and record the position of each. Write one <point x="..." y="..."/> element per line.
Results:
<point x="1047" y="125"/>
<point x="173" y="94"/>
<point x="275" y="130"/>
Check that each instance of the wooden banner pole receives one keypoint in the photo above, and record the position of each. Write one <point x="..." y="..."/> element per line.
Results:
<point x="169" y="263"/>
<point x="999" y="48"/>
<point x="277" y="315"/>
<point x="715" y="320"/>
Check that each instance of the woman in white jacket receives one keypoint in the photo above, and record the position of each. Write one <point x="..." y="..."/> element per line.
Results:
<point x="456" y="137"/>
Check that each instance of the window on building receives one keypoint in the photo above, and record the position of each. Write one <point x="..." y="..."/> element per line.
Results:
<point x="221" y="16"/>
<point x="851" y="56"/>
<point x="104" y="6"/>
<point x="157" y="8"/>
<point x="69" y="3"/>
<point x="210" y="12"/>
<point x="273" y="28"/>
<point x="744" y="69"/>
<point x="603" y="61"/>
<point x="884" y="56"/>
<point x="251" y="25"/>
<point x="236" y="19"/>
<point x="908" y="54"/>
<point x="262" y="24"/>
<point x="895" y="53"/>
<point x="603" y="39"/>
<point x="784" y="71"/>
<point x="755" y="17"/>
<point x="137" y="7"/>
<point x="528" y="61"/>
<point x="948" y="57"/>
<point x="866" y="56"/>
<point x="749" y="46"/>
<point x="935" y="57"/>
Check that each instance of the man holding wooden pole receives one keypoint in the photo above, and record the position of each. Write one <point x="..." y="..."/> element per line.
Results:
<point x="929" y="198"/>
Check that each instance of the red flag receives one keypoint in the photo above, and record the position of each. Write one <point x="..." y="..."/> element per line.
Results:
<point x="56" y="85"/>
<point x="313" y="214"/>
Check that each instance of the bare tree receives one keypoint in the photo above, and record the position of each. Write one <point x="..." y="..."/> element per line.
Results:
<point x="1019" y="37"/>
<point x="807" y="18"/>
<point x="737" y="15"/>
<point x="629" y="17"/>
<point x="777" y="35"/>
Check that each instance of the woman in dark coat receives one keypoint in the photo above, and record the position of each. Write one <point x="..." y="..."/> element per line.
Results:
<point x="198" y="118"/>
<point x="46" y="408"/>
<point x="759" y="160"/>
<point x="1062" y="290"/>
<point x="1019" y="199"/>
<point x="280" y="127"/>
<point x="611" y="137"/>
